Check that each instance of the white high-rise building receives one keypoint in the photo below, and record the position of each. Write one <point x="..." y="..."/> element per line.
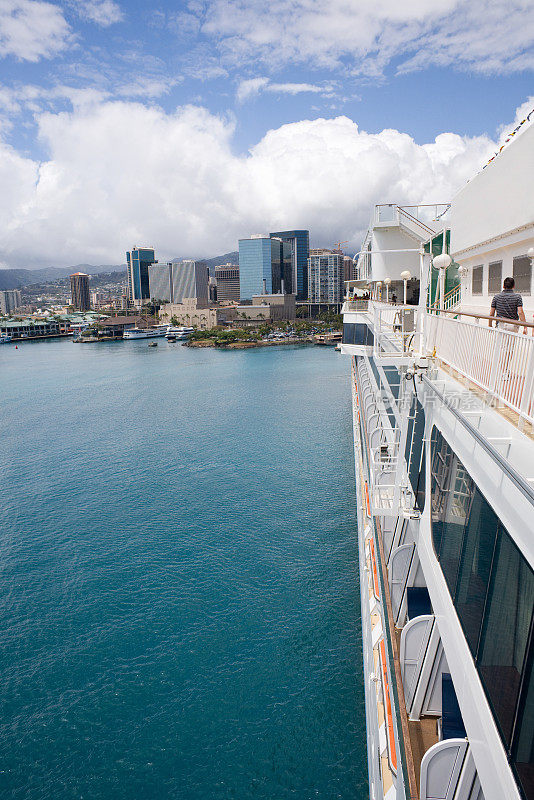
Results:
<point x="10" y="299"/>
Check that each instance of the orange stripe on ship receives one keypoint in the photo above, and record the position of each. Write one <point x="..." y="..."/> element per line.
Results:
<point x="367" y="500"/>
<point x="389" y="715"/>
<point x="376" y="590"/>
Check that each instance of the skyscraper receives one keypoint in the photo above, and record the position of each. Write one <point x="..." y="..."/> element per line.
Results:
<point x="300" y="246"/>
<point x="138" y="261"/>
<point x="160" y="281"/>
<point x="79" y="291"/>
<point x="190" y="280"/>
<point x="175" y="282"/>
<point x="265" y="266"/>
<point x="227" y="277"/>
<point x="325" y="276"/>
<point x="10" y="299"/>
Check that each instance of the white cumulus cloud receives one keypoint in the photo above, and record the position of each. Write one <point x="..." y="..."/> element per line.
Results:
<point x="175" y="182"/>
<point x="31" y="30"/>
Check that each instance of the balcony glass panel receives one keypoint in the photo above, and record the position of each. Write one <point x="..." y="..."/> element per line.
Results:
<point x="502" y="648"/>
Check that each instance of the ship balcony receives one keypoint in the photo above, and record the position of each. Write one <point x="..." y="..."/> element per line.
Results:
<point x="382" y="330"/>
<point x="496" y="363"/>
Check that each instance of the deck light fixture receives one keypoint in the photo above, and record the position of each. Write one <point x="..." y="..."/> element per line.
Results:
<point x="442" y="261"/>
<point x="405" y="275"/>
<point x="387" y="281"/>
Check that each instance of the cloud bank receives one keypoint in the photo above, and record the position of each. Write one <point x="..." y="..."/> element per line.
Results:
<point x="484" y="36"/>
<point x="175" y="183"/>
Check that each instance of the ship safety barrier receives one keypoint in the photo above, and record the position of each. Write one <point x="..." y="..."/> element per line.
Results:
<point x="451" y="300"/>
<point x="498" y="361"/>
<point x="394" y="329"/>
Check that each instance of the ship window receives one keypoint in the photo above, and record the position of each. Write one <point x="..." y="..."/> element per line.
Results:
<point x="504" y="638"/>
<point x="524" y="750"/>
<point x="495" y="277"/>
<point x="475" y="565"/>
<point x="492" y="587"/>
<point x="522" y="274"/>
<point x="476" y="286"/>
<point x="357" y="333"/>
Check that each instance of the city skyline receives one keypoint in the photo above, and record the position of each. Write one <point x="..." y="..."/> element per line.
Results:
<point x="225" y="118"/>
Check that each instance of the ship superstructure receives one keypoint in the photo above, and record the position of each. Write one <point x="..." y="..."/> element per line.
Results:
<point x="443" y="410"/>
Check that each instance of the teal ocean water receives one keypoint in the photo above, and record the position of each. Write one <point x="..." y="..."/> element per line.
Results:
<point x="178" y="573"/>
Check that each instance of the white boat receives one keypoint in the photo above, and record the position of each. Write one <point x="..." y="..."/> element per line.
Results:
<point x="179" y="332"/>
<point x="144" y="333"/>
<point x="443" y="420"/>
<point x="5" y="338"/>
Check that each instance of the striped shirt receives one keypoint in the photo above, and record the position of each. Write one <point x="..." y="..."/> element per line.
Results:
<point x="506" y="304"/>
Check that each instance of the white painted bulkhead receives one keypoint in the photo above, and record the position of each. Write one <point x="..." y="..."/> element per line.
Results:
<point x="492" y="220"/>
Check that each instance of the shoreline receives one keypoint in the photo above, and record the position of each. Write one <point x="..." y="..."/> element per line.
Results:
<point x="247" y="345"/>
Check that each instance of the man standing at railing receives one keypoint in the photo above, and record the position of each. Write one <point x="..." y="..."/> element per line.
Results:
<point x="508" y="305"/>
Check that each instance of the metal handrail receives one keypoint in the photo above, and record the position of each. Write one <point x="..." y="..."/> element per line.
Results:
<point x="499" y="361"/>
<point x="505" y="465"/>
<point x="459" y="312"/>
<point x="427" y="228"/>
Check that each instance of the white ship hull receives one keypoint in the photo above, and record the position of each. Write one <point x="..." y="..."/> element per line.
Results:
<point x="144" y="333"/>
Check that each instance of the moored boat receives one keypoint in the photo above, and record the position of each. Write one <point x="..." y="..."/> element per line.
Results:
<point x="144" y="333"/>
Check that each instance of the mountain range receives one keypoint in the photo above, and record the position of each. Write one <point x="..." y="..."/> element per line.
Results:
<point x="18" y="278"/>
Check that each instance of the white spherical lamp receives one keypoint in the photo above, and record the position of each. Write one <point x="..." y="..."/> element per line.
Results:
<point x="406" y="275"/>
<point x="530" y="252"/>
<point x="463" y="271"/>
<point x="442" y="261"/>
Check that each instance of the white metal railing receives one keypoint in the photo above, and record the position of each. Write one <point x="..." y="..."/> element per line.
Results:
<point x="394" y="329"/>
<point x="451" y="300"/>
<point x="499" y="361"/>
<point x="355" y="305"/>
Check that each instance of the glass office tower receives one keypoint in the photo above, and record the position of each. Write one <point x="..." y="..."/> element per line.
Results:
<point x="299" y="242"/>
<point x="265" y="266"/>
<point x="138" y="261"/>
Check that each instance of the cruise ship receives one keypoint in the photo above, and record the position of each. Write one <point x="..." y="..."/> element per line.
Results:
<point x="443" y="418"/>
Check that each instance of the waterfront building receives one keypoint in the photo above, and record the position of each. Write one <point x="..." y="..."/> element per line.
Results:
<point x="266" y="308"/>
<point x="443" y="420"/>
<point x="160" y="281"/>
<point x="191" y="314"/>
<point x="227" y="277"/>
<point x="190" y="281"/>
<point x="325" y="276"/>
<point x="33" y="328"/>
<point x="265" y="266"/>
<point x="299" y="243"/>
<point x="10" y="299"/>
<point x="138" y="261"/>
<point x="79" y="291"/>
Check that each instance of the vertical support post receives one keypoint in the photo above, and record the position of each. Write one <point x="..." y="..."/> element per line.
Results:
<point x="528" y="386"/>
<point x="491" y="394"/>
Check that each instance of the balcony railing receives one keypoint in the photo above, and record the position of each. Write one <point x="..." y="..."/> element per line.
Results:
<point x="356" y="305"/>
<point x="499" y="361"/>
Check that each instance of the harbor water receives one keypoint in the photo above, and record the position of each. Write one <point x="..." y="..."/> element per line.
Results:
<point x="180" y="601"/>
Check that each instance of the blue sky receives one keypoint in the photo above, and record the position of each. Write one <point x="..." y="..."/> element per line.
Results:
<point x="187" y="125"/>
